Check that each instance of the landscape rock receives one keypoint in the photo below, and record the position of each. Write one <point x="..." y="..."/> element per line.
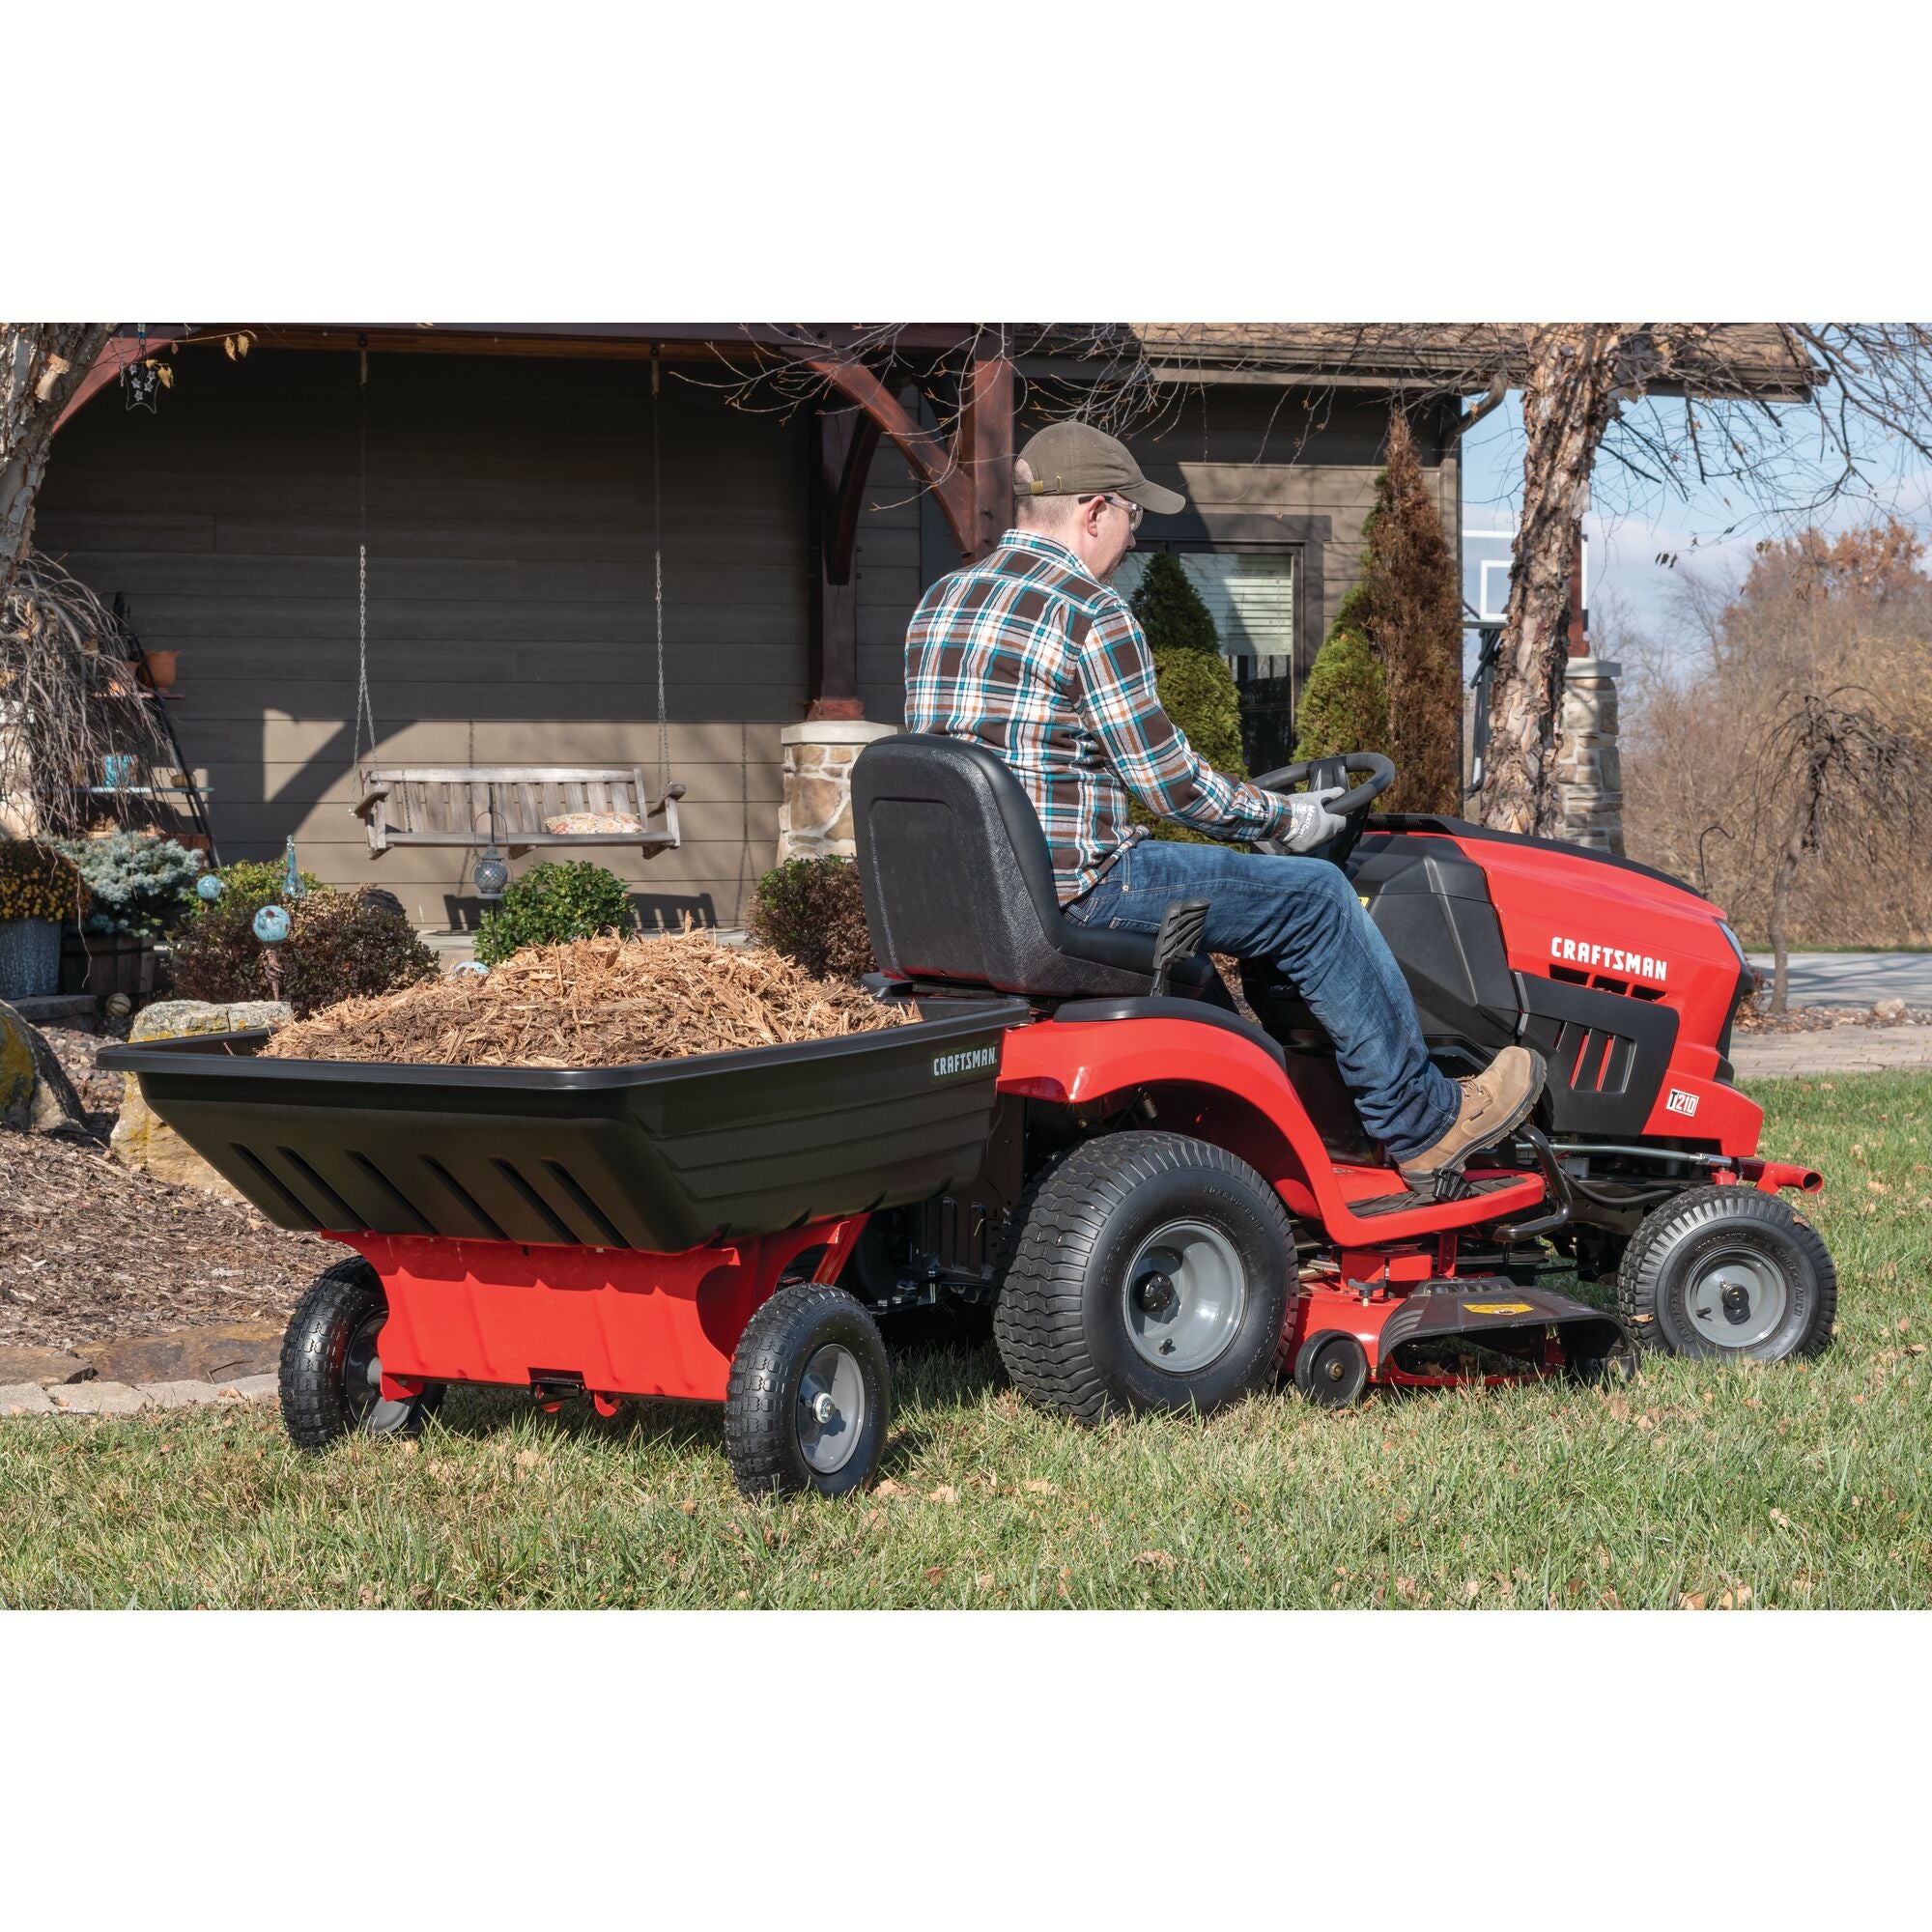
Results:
<point x="98" y="1398"/>
<point x="141" y="1138"/>
<point x="24" y="1398"/>
<point x="34" y="1092"/>
<point x="216" y="1353"/>
<point x="42" y="1365"/>
<point x="178" y="1395"/>
<point x="1890" y="1009"/>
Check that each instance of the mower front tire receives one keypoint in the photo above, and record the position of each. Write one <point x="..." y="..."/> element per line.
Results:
<point x="1728" y="1272"/>
<point x="1144" y="1271"/>
<point x="810" y="1395"/>
<point x="331" y="1368"/>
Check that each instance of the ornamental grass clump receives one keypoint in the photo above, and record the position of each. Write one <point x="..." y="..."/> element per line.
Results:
<point x="39" y="882"/>
<point x="606" y="1002"/>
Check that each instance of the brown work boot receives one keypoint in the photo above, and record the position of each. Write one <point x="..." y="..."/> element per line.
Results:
<point x="1494" y="1102"/>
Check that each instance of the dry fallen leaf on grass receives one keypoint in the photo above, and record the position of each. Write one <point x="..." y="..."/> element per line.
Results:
<point x="944" y="1493"/>
<point x="1153" y="1559"/>
<point x="1691" y="1600"/>
<point x="1038" y="1488"/>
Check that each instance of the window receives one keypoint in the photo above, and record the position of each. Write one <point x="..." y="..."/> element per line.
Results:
<point x="1251" y="596"/>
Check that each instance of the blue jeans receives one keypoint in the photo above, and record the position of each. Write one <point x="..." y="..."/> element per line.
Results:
<point x="1304" y="915"/>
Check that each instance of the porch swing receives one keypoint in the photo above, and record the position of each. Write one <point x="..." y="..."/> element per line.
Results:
<point x="523" y="807"/>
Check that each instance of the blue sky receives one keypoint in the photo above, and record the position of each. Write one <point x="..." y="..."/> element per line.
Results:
<point x="1628" y="527"/>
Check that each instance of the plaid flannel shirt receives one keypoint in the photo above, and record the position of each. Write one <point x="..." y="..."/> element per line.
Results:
<point x="1026" y="654"/>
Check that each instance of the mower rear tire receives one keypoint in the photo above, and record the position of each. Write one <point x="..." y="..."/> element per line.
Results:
<point x="1144" y="1271"/>
<point x="1728" y="1273"/>
<point x="810" y="1396"/>
<point x="331" y="1368"/>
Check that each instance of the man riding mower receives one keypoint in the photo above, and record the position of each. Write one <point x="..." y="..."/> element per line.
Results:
<point x="1165" y="1205"/>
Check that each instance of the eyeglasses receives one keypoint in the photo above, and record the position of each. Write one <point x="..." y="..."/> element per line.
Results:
<point x="1133" y="510"/>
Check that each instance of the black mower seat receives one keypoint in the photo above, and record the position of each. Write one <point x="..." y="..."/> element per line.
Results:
<point x="959" y="888"/>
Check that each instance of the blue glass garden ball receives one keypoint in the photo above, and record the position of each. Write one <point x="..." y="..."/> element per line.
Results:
<point x="208" y="887"/>
<point x="492" y="875"/>
<point x="272" y="925"/>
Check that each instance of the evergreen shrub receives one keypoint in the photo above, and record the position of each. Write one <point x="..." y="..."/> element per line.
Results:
<point x="813" y="911"/>
<point x="1196" y="685"/>
<point x="553" y="902"/>
<point x="139" y="883"/>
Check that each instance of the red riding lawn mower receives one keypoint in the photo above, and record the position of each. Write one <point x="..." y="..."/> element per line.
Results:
<point x="1162" y="1204"/>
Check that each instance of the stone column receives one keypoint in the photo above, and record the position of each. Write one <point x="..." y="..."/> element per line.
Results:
<point x="816" y="818"/>
<point x="1589" y="778"/>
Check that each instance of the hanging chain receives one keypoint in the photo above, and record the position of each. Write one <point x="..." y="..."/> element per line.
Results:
<point x="658" y="583"/>
<point x="364" y="711"/>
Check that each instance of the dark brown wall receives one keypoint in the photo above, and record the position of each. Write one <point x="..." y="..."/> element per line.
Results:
<point x="510" y="590"/>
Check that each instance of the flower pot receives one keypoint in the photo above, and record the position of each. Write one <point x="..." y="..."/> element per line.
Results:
<point x="159" y="671"/>
<point x="30" y="958"/>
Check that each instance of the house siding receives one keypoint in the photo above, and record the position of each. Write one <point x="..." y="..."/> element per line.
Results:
<point x="510" y="593"/>
<point x="510" y="580"/>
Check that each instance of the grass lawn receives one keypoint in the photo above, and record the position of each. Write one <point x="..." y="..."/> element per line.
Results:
<point x="1805" y="1484"/>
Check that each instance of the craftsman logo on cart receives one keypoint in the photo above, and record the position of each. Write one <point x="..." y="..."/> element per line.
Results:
<point x="1677" y="1102"/>
<point x="970" y="1060"/>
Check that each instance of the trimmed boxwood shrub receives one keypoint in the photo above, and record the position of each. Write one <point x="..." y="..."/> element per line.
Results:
<point x="813" y="911"/>
<point x="553" y="902"/>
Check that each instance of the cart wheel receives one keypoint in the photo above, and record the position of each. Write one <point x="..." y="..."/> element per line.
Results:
<point x="1728" y="1272"/>
<point x="331" y="1374"/>
<point x="1332" y="1369"/>
<point x="809" y="1395"/>
<point x="1144" y="1271"/>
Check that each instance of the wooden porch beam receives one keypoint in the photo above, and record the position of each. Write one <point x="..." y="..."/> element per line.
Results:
<point x="847" y="440"/>
<point x="932" y="461"/>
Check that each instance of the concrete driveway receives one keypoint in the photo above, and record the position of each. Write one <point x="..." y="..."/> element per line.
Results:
<point x="1856" y="979"/>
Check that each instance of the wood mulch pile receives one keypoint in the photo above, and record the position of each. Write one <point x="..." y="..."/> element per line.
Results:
<point x="594" y="1002"/>
<point x="91" y="1251"/>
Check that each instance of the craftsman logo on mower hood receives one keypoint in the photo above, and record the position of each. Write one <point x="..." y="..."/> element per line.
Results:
<point x="969" y="1060"/>
<point x="1607" y="959"/>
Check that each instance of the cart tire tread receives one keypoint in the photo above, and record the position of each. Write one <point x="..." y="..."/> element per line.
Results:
<point x="335" y="1304"/>
<point x="760" y="1436"/>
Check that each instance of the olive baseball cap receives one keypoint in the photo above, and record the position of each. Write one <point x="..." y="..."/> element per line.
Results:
<point x="1074" y="458"/>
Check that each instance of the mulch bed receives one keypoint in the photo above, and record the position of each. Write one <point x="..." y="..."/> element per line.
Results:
<point x="91" y="1251"/>
<point x="99" y="1090"/>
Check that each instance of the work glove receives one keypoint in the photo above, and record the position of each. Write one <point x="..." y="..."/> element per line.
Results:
<point x="1312" y="823"/>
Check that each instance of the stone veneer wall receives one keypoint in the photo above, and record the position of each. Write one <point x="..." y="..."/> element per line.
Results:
<point x="815" y="818"/>
<point x="1589" y="775"/>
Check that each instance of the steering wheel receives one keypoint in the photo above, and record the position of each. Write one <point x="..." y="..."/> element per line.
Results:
<point x="1318" y="775"/>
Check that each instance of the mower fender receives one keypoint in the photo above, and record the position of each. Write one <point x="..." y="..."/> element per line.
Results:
<point x="1228" y="1089"/>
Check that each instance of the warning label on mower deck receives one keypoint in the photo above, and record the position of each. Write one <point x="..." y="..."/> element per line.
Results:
<point x="968" y="1059"/>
